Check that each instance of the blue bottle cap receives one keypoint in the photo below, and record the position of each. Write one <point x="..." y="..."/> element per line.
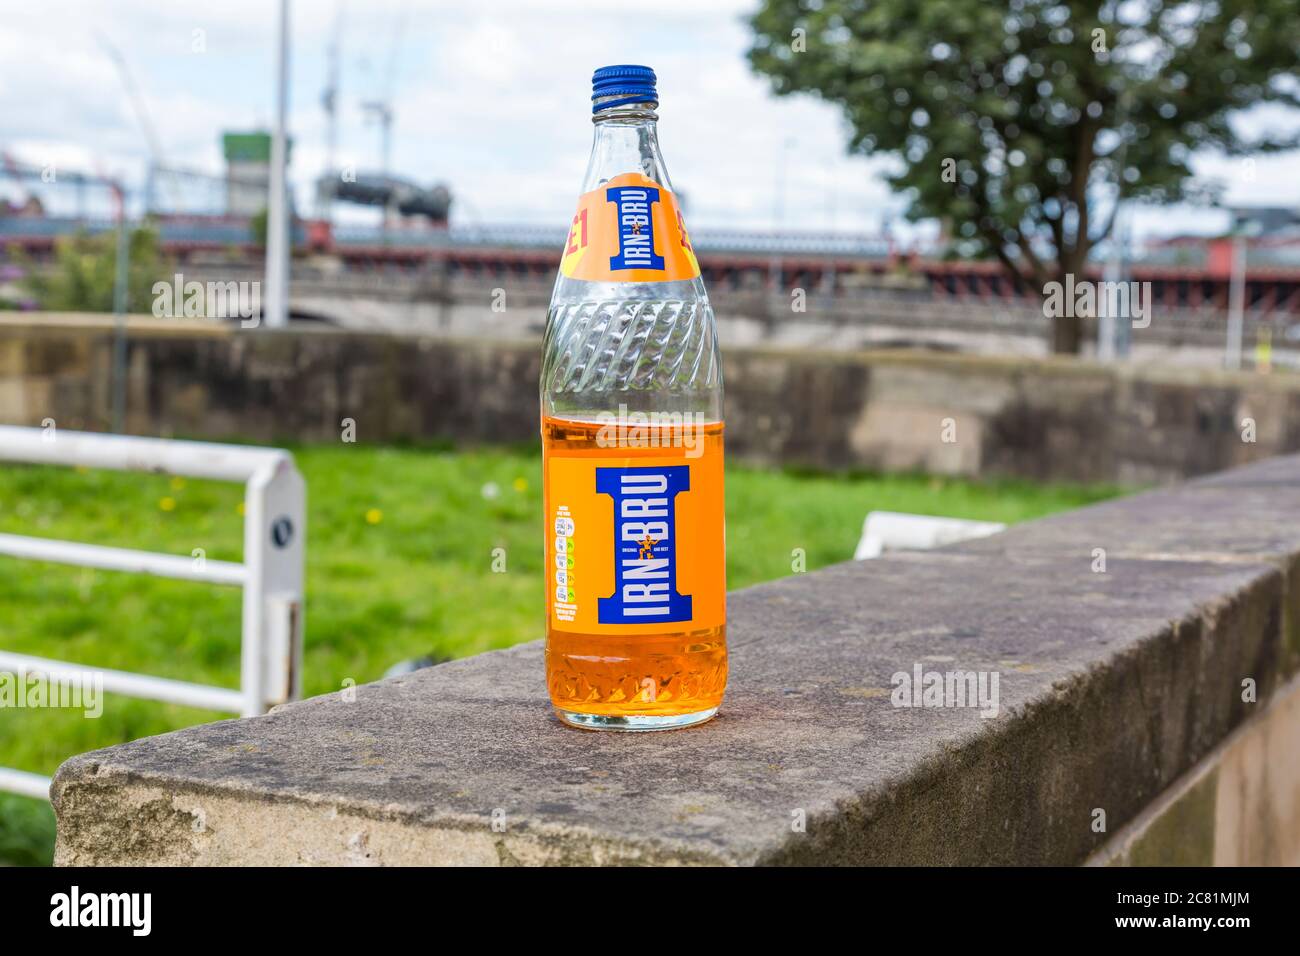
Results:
<point x="630" y="84"/>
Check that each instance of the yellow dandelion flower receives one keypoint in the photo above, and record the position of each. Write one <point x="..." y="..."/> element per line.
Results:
<point x="167" y="504"/>
<point x="374" y="516"/>
<point x="521" y="484"/>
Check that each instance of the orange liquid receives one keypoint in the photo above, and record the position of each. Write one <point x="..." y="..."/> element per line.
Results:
<point x="662" y="675"/>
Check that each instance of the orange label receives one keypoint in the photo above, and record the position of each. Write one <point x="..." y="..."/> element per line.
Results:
<point x="636" y="544"/>
<point x="629" y="230"/>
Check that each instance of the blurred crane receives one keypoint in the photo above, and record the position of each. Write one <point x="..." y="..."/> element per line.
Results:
<point x="141" y="110"/>
<point x="329" y="100"/>
<point x="391" y="193"/>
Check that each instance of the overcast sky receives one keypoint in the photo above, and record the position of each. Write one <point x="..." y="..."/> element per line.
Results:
<point x="490" y="96"/>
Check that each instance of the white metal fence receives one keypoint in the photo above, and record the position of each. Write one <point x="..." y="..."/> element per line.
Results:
<point x="271" y="574"/>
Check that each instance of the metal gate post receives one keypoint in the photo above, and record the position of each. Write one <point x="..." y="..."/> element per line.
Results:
<point x="275" y="532"/>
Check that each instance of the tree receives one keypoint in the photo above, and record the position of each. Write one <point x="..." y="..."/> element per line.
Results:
<point x="258" y="226"/>
<point x="1011" y="119"/>
<point x="84" y="273"/>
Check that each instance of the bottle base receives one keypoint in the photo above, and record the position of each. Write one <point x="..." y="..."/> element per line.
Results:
<point x="634" y="723"/>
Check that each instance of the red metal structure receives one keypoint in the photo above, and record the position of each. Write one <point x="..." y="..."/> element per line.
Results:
<point x="1182" y="275"/>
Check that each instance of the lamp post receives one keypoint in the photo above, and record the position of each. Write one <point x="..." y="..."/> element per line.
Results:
<point x="776" y="267"/>
<point x="1236" y="302"/>
<point x="276" y="298"/>
<point x="1113" y="330"/>
<point x="121" y="278"/>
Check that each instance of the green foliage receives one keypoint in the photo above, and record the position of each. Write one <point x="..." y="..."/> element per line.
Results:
<point x="1033" y="106"/>
<point x="26" y="831"/>
<point x="258" y="227"/>
<point x="84" y="274"/>
<point x="399" y="565"/>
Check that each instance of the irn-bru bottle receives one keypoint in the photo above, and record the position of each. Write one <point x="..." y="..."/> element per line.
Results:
<point x="632" y="443"/>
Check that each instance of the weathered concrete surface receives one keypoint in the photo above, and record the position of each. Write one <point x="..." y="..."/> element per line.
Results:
<point x="1238" y="806"/>
<point x="1112" y="686"/>
<point x="1050" y="418"/>
<point x="1246" y="515"/>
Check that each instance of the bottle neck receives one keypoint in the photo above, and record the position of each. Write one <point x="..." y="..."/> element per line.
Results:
<point x="626" y="141"/>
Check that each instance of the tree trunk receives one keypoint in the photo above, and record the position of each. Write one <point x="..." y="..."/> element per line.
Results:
<point x="1067" y="329"/>
<point x="1067" y="334"/>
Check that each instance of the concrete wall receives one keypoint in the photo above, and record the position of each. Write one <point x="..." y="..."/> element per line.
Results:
<point x="891" y="411"/>
<point x="1240" y="806"/>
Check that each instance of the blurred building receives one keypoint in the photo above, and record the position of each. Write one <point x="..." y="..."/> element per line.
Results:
<point x="248" y="171"/>
<point x="29" y="208"/>
<point x="1266" y="220"/>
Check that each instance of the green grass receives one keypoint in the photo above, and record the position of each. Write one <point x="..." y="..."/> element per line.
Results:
<point x="400" y="552"/>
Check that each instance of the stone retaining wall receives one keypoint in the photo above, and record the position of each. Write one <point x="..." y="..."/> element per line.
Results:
<point x="1054" y="419"/>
